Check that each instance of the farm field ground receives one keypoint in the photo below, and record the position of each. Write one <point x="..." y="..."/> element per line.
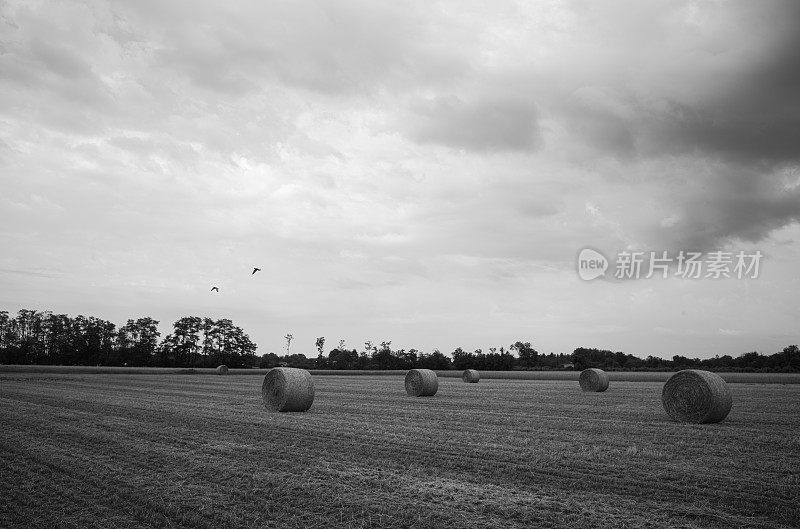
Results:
<point x="100" y="450"/>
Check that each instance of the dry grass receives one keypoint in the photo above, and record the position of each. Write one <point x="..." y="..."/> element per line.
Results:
<point x="593" y="379"/>
<point x="421" y="383"/>
<point x="471" y="376"/>
<point x="287" y="389"/>
<point x="696" y="396"/>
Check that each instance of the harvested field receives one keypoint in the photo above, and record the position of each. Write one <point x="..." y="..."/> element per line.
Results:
<point x="201" y="451"/>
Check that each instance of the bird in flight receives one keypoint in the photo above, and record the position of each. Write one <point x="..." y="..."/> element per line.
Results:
<point x="215" y="288"/>
<point x="255" y="270"/>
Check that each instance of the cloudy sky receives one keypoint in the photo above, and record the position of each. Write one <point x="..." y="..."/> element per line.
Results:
<point x="424" y="173"/>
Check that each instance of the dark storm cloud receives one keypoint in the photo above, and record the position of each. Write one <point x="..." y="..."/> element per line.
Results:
<point x="669" y="78"/>
<point x="711" y="117"/>
<point x="735" y="205"/>
<point x="489" y="124"/>
<point x="753" y="125"/>
<point x="746" y="138"/>
<point x="754" y="115"/>
<point x="751" y="128"/>
<point x="761" y="117"/>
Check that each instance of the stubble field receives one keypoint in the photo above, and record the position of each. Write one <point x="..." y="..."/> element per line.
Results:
<point x="99" y="450"/>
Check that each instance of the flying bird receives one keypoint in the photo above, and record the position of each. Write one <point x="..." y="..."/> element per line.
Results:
<point x="215" y="288"/>
<point x="255" y="270"/>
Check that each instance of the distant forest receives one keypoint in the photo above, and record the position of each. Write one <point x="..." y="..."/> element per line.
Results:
<point x="56" y="339"/>
<point x="41" y="337"/>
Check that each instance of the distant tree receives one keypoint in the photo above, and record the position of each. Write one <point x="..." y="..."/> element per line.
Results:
<point x="62" y="338"/>
<point x="365" y="358"/>
<point x="94" y="340"/>
<point x="212" y="341"/>
<point x="201" y="342"/>
<point x="7" y="338"/>
<point x="27" y="327"/>
<point x="682" y="362"/>
<point x="269" y="360"/>
<point x="409" y="359"/>
<point x="725" y="361"/>
<point x="184" y="342"/>
<point x="320" y="343"/>
<point x="439" y="361"/>
<point x="620" y="359"/>
<point x="382" y="358"/>
<point x="436" y="360"/>
<point x="749" y="361"/>
<point x="462" y="359"/>
<point x="236" y="349"/>
<point x="528" y="356"/>
<point x="297" y="360"/>
<point x="583" y="358"/>
<point x="343" y="359"/>
<point x="137" y="342"/>
<point x="790" y="358"/>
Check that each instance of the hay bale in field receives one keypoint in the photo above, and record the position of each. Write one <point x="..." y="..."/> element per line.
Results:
<point x="696" y="396"/>
<point x="470" y="375"/>
<point x="593" y="379"/>
<point x="222" y="370"/>
<point x="421" y="383"/>
<point x="287" y="389"/>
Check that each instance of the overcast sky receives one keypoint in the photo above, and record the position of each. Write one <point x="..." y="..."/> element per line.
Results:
<point x="424" y="173"/>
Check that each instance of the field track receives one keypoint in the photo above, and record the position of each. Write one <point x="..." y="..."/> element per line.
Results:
<point x="80" y="450"/>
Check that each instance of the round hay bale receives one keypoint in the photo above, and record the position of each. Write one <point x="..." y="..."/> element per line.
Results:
<point x="222" y="370"/>
<point x="593" y="379"/>
<point x="696" y="396"/>
<point x="470" y="375"/>
<point x="421" y="383"/>
<point x="287" y="389"/>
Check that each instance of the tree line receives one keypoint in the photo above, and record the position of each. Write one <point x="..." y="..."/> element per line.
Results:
<point x="522" y="356"/>
<point x="785" y="361"/>
<point x="34" y="337"/>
